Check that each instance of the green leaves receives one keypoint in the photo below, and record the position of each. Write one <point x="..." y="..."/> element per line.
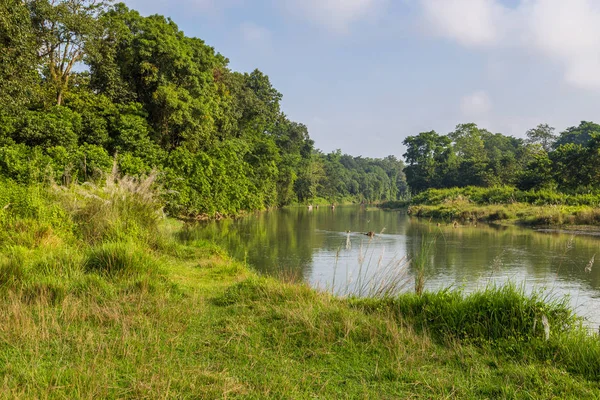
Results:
<point x="153" y="98"/>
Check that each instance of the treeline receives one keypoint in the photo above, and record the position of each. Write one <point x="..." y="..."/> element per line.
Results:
<point x="471" y="156"/>
<point x="84" y="83"/>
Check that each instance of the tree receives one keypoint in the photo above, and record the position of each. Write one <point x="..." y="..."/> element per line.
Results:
<point x="469" y="148"/>
<point x="580" y="134"/>
<point x="427" y="155"/>
<point x="543" y="135"/>
<point x="537" y="173"/>
<point x="505" y="155"/>
<point x="63" y="28"/>
<point x="17" y="55"/>
<point x="311" y="174"/>
<point x="569" y="166"/>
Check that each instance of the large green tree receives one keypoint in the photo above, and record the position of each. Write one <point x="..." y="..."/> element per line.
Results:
<point x="429" y="157"/>
<point x="63" y="29"/>
<point x="580" y="134"/>
<point x="543" y="134"/>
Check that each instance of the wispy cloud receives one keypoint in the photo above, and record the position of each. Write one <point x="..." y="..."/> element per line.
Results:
<point x="470" y="22"/>
<point x="336" y="15"/>
<point x="567" y="32"/>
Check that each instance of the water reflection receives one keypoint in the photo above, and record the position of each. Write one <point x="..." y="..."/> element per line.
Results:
<point x="330" y="250"/>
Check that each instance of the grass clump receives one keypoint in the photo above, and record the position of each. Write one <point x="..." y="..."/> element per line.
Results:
<point x="124" y="208"/>
<point x="496" y="313"/>
<point x="12" y="266"/>
<point x="119" y="259"/>
<point x="503" y="320"/>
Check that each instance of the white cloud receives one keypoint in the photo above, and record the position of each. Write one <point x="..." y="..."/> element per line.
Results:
<point x="567" y="32"/>
<point x="336" y="15"/>
<point x="476" y="104"/>
<point x="470" y="22"/>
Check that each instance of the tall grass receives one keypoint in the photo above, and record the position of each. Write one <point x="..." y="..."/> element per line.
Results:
<point x="505" y="195"/>
<point x="121" y="209"/>
<point x="419" y="261"/>
<point x="56" y="241"/>
<point x="119" y="259"/>
<point x="373" y="276"/>
<point x="502" y="318"/>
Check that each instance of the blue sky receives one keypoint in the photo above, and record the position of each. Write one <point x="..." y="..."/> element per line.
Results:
<point x="364" y="74"/>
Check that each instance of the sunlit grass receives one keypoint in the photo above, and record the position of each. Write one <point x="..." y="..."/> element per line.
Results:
<point x="125" y="309"/>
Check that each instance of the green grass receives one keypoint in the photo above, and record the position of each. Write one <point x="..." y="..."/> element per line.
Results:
<point x="85" y="313"/>
<point x="521" y="213"/>
<point x="504" y="204"/>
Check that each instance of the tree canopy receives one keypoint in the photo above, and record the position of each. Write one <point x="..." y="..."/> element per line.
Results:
<point x="471" y="156"/>
<point x="83" y="82"/>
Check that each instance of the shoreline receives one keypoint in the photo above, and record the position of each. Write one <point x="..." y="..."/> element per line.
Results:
<point x="580" y="219"/>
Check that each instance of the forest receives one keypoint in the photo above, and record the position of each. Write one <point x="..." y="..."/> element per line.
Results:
<point x="87" y="84"/>
<point x="568" y="162"/>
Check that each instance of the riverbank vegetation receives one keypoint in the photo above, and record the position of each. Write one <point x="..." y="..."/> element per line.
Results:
<point x="472" y="174"/>
<point x="121" y="307"/>
<point x="472" y="156"/>
<point x="472" y="204"/>
<point x="85" y="82"/>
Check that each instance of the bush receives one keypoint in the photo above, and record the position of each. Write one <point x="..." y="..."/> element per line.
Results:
<point x="124" y="208"/>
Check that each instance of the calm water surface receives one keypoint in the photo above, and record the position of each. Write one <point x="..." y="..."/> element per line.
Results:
<point x="316" y="246"/>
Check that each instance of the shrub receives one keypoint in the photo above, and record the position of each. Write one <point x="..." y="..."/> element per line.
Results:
<point x="124" y="208"/>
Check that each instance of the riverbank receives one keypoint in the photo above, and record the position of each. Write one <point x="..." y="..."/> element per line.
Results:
<point x="518" y="213"/>
<point x="504" y="205"/>
<point x="99" y="300"/>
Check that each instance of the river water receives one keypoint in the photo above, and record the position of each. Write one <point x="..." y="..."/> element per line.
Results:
<point x="329" y="249"/>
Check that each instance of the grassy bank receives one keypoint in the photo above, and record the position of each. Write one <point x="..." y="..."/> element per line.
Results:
<point x="505" y="204"/>
<point x="98" y="301"/>
<point x="521" y="213"/>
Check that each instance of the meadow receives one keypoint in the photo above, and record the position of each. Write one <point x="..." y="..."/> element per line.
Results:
<point x="99" y="299"/>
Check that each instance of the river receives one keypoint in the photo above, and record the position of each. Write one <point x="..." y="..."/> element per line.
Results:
<point x="329" y="249"/>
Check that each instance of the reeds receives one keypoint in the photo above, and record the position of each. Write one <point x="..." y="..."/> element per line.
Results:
<point x="373" y="276"/>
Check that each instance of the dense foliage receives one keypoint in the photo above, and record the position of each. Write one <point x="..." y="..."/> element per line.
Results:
<point x="84" y="82"/>
<point x="472" y="156"/>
